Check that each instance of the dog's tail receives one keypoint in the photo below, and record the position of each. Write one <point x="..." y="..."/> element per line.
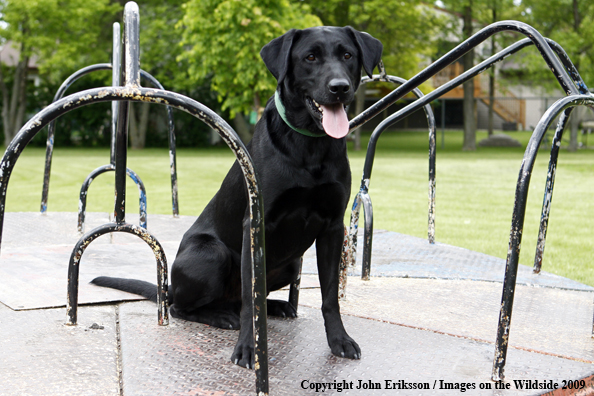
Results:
<point x="145" y="289"/>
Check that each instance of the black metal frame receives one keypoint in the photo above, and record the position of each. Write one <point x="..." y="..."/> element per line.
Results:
<point x="363" y="199"/>
<point x="132" y="91"/>
<point x="116" y="73"/>
<point x="578" y="94"/>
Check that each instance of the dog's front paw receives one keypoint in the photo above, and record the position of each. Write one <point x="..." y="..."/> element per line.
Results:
<point x="283" y="309"/>
<point x="243" y="355"/>
<point x="345" y="347"/>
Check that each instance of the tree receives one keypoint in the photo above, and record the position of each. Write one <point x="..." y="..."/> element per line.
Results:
<point x="63" y="36"/>
<point x="571" y="24"/>
<point x="222" y="41"/>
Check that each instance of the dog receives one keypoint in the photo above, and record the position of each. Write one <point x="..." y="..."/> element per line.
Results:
<point x="300" y="153"/>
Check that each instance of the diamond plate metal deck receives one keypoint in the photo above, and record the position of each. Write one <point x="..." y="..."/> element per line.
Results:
<point x="433" y="326"/>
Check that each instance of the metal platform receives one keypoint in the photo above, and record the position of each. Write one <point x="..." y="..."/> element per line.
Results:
<point x="428" y="316"/>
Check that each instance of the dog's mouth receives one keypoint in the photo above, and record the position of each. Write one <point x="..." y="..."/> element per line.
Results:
<point x="332" y="118"/>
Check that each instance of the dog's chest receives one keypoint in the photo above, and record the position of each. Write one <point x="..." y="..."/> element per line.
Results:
<point x="295" y="217"/>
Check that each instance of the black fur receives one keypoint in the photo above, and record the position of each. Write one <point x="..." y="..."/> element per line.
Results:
<point x="305" y="182"/>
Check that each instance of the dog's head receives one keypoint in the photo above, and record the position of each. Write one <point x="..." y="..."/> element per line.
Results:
<point x="318" y="71"/>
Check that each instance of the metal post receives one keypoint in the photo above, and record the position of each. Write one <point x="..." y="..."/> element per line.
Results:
<point x="116" y="72"/>
<point x="443" y="105"/>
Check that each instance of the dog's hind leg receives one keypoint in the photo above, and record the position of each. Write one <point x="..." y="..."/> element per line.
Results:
<point x="203" y="283"/>
<point x="224" y="316"/>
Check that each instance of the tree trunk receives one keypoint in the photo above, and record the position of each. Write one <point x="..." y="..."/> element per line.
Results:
<point x="469" y="105"/>
<point x="242" y="128"/>
<point x="138" y="124"/>
<point x="15" y="102"/>
<point x="574" y="123"/>
<point x="492" y="78"/>
<point x="359" y="107"/>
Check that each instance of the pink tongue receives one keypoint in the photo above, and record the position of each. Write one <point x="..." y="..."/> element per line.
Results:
<point x="335" y="121"/>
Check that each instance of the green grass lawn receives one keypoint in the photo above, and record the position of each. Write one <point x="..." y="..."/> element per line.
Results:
<point x="474" y="198"/>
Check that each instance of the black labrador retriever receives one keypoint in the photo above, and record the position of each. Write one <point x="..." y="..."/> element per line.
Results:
<point x="299" y="151"/>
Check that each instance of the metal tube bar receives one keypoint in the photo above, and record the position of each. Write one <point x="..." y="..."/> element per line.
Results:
<point x="363" y="193"/>
<point x="82" y="198"/>
<point x="82" y="202"/>
<point x="427" y="99"/>
<point x="520" y="27"/>
<point x="294" y="288"/>
<point x="115" y="110"/>
<point x="49" y="145"/>
<point x="83" y="243"/>
<point x="367" y="235"/>
<point x="548" y="194"/>
<point x="550" y="183"/>
<point x="354" y="226"/>
<point x="515" y="239"/>
<point x="432" y="149"/>
<point x="131" y="71"/>
<point x="172" y="146"/>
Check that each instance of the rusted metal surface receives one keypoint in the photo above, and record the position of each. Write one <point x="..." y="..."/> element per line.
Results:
<point x="559" y="329"/>
<point x="41" y="356"/>
<point x="574" y="387"/>
<point x="394" y="318"/>
<point x="354" y="228"/>
<point x="519" y="211"/>
<point x="196" y="357"/>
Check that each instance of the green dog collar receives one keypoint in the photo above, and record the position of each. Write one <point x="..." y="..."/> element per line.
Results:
<point x="281" y="110"/>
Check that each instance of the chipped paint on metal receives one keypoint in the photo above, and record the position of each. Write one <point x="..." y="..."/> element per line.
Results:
<point x="343" y="266"/>
<point x="548" y="194"/>
<point x="354" y="228"/>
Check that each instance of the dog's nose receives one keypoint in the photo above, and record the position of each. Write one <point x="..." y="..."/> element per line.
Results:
<point x="339" y="86"/>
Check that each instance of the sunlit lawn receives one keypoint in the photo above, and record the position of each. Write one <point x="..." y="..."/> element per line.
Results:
<point x="474" y="200"/>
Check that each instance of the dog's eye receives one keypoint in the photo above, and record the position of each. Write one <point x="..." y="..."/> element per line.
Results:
<point x="347" y="55"/>
<point x="311" y="57"/>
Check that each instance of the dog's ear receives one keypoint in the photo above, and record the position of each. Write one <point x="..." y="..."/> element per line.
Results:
<point x="370" y="48"/>
<point x="276" y="54"/>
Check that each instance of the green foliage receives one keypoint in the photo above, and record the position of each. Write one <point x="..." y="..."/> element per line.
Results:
<point x="571" y="24"/>
<point x="222" y="41"/>
<point x="63" y="35"/>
